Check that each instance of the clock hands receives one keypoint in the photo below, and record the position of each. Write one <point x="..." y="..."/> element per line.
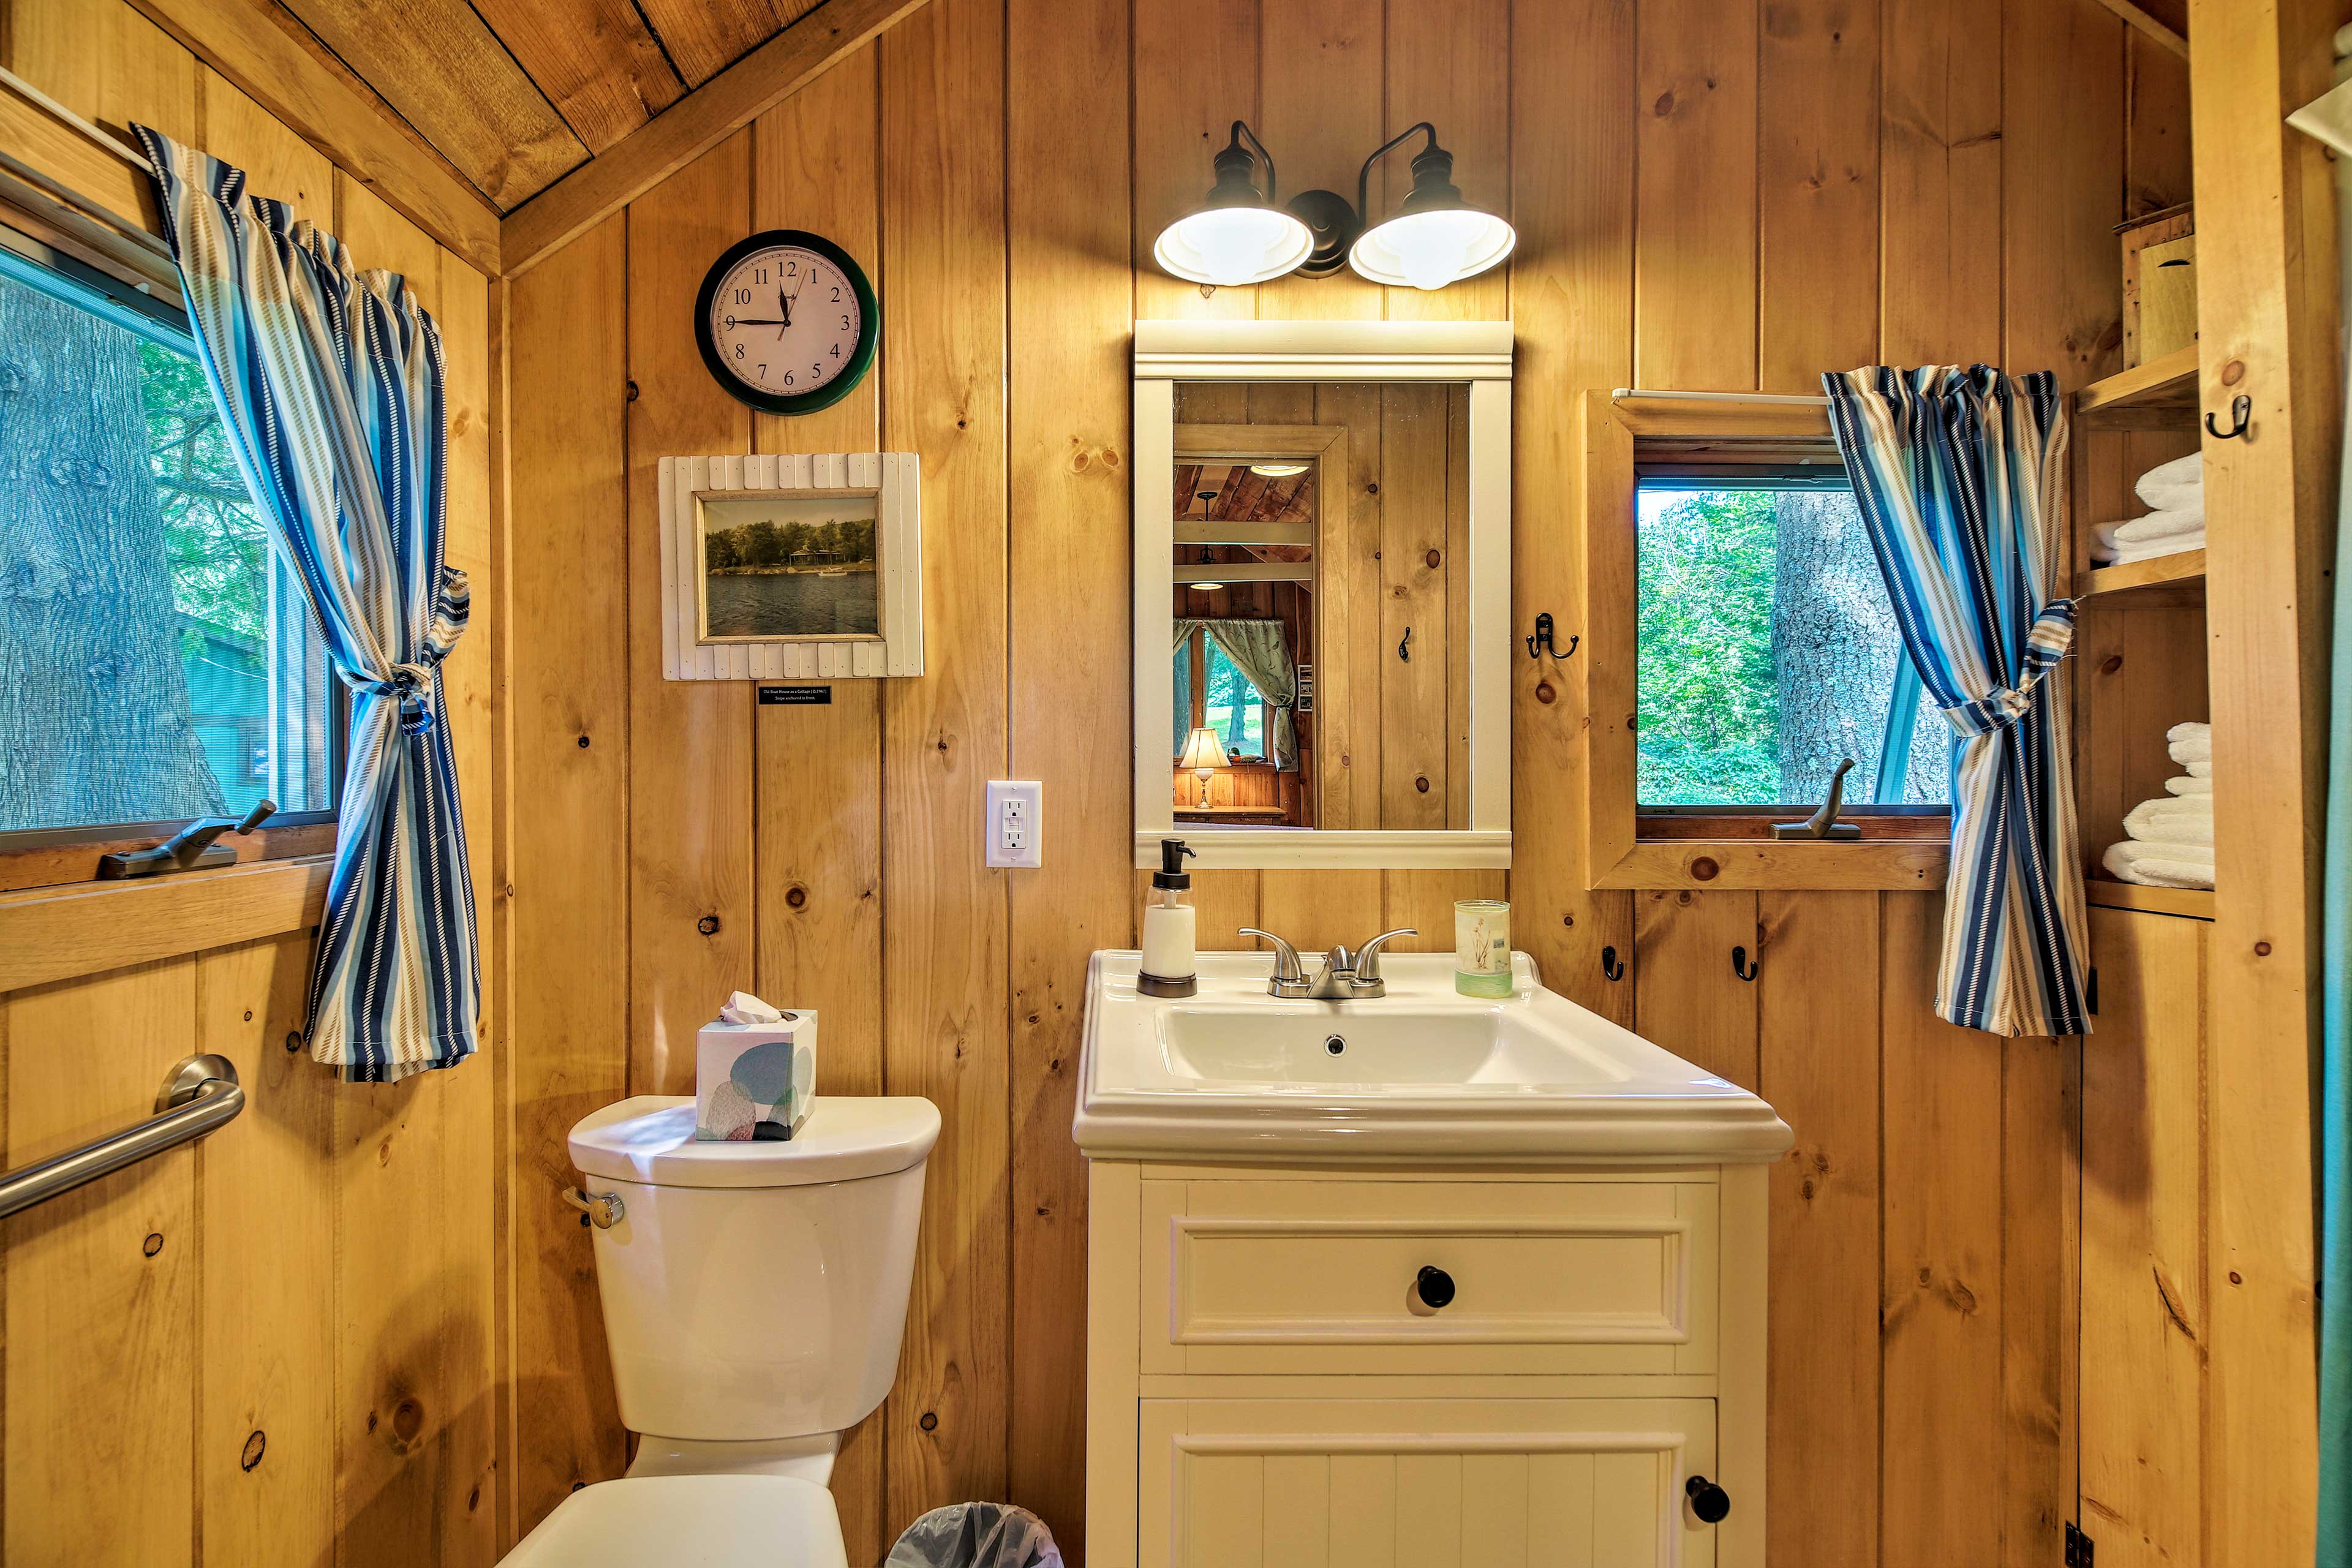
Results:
<point x="784" y="302"/>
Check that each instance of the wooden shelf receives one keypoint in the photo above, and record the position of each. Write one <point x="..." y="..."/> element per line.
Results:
<point x="2160" y="395"/>
<point x="2196" y="903"/>
<point x="2162" y="582"/>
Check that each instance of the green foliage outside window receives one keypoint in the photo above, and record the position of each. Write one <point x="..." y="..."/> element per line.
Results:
<point x="213" y="538"/>
<point x="1710" y="710"/>
<point x="1232" y="706"/>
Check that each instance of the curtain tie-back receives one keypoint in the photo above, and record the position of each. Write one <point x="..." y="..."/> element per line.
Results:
<point x="2051" y="638"/>
<point x="414" y="684"/>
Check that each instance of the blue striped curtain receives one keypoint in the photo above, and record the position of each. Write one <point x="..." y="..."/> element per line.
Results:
<point x="329" y="385"/>
<point x="1960" y="477"/>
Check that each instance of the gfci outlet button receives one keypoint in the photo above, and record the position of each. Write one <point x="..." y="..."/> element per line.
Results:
<point x="1013" y="830"/>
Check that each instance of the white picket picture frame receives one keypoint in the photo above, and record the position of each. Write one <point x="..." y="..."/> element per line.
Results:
<point x="893" y="479"/>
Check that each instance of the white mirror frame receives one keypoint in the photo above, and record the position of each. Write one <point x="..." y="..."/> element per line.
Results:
<point x="1477" y="353"/>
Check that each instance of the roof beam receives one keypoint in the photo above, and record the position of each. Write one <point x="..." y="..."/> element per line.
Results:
<point x="691" y="127"/>
<point x="242" y="41"/>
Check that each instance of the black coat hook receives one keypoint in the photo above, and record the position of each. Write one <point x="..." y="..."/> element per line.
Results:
<point x="1403" y="652"/>
<point x="1611" y="969"/>
<point x="1741" y="966"/>
<point x="1541" y="643"/>
<point x="2242" y="408"/>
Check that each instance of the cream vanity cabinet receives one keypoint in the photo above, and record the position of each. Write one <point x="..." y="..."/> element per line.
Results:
<point x="1268" y="1384"/>
<point x="1421" y="1280"/>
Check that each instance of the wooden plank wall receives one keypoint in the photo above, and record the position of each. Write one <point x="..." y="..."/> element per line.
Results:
<point x="280" y="1345"/>
<point x="1710" y="194"/>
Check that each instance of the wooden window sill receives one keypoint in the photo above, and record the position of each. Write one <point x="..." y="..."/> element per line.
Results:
<point x="1795" y="864"/>
<point x="49" y="934"/>
<point x="62" y="868"/>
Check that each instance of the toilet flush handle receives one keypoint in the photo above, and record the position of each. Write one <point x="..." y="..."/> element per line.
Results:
<point x="604" y="1209"/>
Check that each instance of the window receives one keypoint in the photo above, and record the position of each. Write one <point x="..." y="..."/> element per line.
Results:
<point x="159" y="665"/>
<point x="1212" y="692"/>
<point x="1766" y="650"/>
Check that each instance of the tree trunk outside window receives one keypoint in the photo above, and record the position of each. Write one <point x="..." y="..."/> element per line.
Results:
<point x="95" y="725"/>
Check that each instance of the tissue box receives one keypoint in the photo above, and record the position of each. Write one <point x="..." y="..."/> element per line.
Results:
<point x="754" y="1081"/>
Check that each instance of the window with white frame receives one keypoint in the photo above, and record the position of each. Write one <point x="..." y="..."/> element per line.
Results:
<point x="159" y="663"/>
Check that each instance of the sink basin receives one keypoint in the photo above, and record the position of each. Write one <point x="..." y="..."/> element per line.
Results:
<point x="1376" y="1048"/>
<point x="1528" y="1078"/>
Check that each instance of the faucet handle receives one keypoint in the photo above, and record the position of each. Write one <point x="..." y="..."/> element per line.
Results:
<point x="1285" y="957"/>
<point x="1368" y="957"/>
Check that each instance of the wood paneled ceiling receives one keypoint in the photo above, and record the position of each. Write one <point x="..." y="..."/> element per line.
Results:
<point x="515" y="94"/>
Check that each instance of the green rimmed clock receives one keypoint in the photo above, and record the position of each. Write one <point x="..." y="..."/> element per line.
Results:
<point x="787" y="322"/>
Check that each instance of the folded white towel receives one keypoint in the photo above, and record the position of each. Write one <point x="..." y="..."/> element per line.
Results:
<point x="2191" y="745"/>
<point x="2189" y="787"/>
<point x="2162" y="524"/>
<point x="2123" y="550"/>
<point x="2169" y="480"/>
<point x="2170" y="820"/>
<point x="2160" y="864"/>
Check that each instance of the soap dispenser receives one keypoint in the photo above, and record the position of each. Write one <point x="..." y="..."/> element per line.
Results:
<point x="1168" y="952"/>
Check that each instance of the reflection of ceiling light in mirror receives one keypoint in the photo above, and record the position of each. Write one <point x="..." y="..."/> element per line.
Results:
<point x="1277" y="470"/>
<point x="1204" y="587"/>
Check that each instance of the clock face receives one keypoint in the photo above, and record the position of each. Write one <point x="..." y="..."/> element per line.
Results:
<point x="787" y="322"/>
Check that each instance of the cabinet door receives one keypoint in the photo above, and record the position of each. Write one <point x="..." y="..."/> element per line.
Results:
<point x="2143" y="1368"/>
<point x="1406" y="1483"/>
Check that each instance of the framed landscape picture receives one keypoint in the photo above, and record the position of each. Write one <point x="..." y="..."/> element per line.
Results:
<point x="791" y="567"/>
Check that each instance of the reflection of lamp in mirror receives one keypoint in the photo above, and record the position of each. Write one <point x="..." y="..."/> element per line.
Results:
<point x="1205" y="754"/>
<point x="1272" y="470"/>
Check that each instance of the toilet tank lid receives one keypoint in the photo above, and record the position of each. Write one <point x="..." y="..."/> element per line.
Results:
<point x="650" y="1139"/>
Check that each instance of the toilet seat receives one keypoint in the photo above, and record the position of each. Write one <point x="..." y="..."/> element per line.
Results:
<point x="710" y="1521"/>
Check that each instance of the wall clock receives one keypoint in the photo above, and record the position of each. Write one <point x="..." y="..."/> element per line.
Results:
<point x="787" y="322"/>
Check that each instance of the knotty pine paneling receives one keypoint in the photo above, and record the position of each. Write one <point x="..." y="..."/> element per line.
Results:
<point x="1707" y="197"/>
<point x="306" y="1367"/>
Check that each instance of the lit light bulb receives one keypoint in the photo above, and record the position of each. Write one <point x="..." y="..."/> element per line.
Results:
<point x="1228" y="247"/>
<point x="1431" y="249"/>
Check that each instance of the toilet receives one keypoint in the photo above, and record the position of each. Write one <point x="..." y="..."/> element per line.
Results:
<point x="754" y="1295"/>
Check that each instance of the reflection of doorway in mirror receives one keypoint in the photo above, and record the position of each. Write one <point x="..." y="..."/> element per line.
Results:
<point x="1242" y="617"/>
<point x="1342" y="513"/>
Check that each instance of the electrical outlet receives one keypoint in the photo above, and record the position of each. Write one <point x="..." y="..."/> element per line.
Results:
<point x="1013" y="830"/>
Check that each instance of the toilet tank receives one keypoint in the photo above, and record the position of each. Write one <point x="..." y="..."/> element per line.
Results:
<point x="755" y="1289"/>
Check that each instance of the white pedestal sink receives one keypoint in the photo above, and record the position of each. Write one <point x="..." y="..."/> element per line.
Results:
<point x="1420" y="1072"/>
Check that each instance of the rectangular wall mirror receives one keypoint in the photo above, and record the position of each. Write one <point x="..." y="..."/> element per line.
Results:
<point x="1322" y="593"/>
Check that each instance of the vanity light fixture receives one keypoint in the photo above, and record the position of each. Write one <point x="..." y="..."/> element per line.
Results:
<point x="1239" y="236"/>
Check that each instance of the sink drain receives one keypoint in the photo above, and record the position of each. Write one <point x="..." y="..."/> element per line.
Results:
<point x="1334" y="1043"/>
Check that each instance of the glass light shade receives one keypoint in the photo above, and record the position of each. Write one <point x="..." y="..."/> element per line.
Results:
<point x="1203" y="752"/>
<point x="1230" y="246"/>
<point x="1277" y="470"/>
<point x="1204" y="587"/>
<point x="1430" y="249"/>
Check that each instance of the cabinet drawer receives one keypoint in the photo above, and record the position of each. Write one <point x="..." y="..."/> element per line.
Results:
<point x="1278" y="1483"/>
<point x="1318" y="1276"/>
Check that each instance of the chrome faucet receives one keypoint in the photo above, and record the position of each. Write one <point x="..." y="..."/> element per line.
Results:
<point x="1346" y="976"/>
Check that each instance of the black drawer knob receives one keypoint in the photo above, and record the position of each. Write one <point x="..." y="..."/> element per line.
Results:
<point x="1434" y="1287"/>
<point x="1707" y="1500"/>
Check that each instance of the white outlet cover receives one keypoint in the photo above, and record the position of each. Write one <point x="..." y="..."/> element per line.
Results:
<point x="1013" y="828"/>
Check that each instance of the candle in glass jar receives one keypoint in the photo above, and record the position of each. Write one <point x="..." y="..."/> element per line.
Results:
<point x="1482" y="947"/>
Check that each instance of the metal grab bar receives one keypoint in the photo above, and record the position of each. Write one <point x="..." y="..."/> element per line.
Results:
<point x="199" y="1095"/>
